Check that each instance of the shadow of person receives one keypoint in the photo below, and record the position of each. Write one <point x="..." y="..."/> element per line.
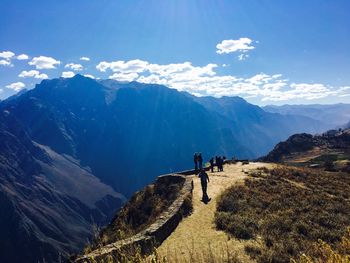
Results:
<point x="206" y="199"/>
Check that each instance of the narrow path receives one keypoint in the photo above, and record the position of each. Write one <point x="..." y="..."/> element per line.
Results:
<point x="196" y="239"/>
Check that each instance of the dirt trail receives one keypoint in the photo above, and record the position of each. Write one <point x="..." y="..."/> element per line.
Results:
<point x="196" y="237"/>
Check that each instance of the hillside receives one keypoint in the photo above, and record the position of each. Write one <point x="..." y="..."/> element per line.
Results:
<point x="282" y="213"/>
<point x="258" y="212"/>
<point x="195" y="239"/>
<point x="72" y="148"/>
<point x="256" y="129"/>
<point x="330" y="150"/>
<point x="49" y="203"/>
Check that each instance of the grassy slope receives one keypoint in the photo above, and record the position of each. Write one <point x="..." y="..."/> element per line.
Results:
<point x="286" y="210"/>
<point x="139" y="212"/>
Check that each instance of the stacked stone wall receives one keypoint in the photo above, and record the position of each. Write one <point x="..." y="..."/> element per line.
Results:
<point x="150" y="238"/>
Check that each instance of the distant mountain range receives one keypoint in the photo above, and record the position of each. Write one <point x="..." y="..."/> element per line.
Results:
<point x="71" y="149"/>
<point x="334" y="114"/>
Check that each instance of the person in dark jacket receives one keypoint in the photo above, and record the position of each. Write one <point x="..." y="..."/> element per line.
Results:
<point x="211" y="161"/>
<point x="204" y="183"/>
<point x="221" y="164"/>
<point x="200" y="161"/>
<point x="195" y="160"/>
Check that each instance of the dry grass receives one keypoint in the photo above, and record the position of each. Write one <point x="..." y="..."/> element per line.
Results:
<point x="142" y="209"/>
<point x="323" y="252"/>
<point x="286" y="211"/>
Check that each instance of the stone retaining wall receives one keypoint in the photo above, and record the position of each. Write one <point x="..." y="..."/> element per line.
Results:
<point x="155" y="234"/>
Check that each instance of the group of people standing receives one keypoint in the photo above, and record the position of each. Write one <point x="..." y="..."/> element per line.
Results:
<point x="219" y="162"/>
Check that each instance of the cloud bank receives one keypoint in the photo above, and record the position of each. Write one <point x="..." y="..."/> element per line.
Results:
<point x="204" y="81"/>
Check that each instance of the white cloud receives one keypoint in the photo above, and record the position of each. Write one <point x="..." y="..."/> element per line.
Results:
<point x="85" y="58"/>
<point x="229" y="46"/>
<point x="32" y="74"/>
<point x="75" y="67"/>
<point x="135" y="65"/>
<point x="6" y="54"/>
<point x="124" y="76"/>
<point x="89" y="76"/>
<point x="17" y="86"/>
<point x="68" y="74"/>
<point x="22" y="57"/>
<point x="43" y="62"/>
<point x="5" y="58"/>
<point x="4" y="62"/>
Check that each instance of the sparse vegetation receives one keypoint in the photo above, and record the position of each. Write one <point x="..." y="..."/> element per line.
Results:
<point x="142" y="210"/>
<point x="323" y="252"/>
<point x="286" y="211"/>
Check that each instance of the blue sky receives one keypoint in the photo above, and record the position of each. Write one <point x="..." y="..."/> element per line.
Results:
<point x="268" y="52"/>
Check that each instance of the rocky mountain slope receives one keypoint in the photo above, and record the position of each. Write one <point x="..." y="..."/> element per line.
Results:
<point x="48" y="203"/>
<point x="256" y="129"/>
<point x="331" y="149"/>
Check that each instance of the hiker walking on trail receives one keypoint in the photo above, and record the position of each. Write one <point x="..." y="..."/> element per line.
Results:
<point x="200" y="161"/>
<point x="211" y="161"/>
<point x="204" y="183"/>
<point x="195" y="160"/>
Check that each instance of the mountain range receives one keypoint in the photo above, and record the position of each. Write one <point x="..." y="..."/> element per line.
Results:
<point x="72" y="150"/>
<point x="334" y="114"/>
